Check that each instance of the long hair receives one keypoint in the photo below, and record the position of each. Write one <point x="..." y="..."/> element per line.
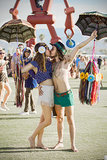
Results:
<point x="60" y="55"/>
<point x="40" y="58"/>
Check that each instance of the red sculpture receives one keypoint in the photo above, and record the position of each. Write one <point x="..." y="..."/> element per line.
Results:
<point x="41" y="16"/>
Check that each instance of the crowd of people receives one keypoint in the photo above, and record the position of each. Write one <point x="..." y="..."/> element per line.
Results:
<point x="80" y="62"/>
<point x="48" y="71"/>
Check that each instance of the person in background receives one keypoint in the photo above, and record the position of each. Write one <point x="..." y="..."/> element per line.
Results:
<point x="4" y="85"/>
<point x="14" y="63"/>
<point x="30" y="83"/>
<point x="81" y="64"/>
<point x="9" y="72"/>
<point x="77" y="60"/>
<point x="99" y="62"/>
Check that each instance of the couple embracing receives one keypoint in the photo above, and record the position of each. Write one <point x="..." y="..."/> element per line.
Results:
<point x="52" y="76"/>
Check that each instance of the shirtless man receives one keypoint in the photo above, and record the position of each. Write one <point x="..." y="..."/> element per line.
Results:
<point x="63" y="94"/>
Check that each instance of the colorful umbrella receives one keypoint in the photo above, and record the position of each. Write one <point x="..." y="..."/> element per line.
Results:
<point x="89" y="21"/>
<point x="17" y="30"/>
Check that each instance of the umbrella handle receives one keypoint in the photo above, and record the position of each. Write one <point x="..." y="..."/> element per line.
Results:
<point x="93" y="52"/>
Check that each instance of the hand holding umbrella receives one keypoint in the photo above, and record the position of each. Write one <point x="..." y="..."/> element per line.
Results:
<point x="94" y="34"/>
<point x="89" y="21"/>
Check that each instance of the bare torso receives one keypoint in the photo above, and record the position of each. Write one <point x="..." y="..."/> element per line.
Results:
<point x="60" y="76"/>
<point x="47" y="82"/>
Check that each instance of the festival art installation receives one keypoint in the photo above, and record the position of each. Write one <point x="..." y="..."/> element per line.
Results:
<point x="40" y="15"/>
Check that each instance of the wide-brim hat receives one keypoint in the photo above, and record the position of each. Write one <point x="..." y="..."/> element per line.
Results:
<point x="60" y="47"/>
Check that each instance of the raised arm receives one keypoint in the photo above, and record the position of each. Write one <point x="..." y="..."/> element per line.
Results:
<point x="79" y="46"/>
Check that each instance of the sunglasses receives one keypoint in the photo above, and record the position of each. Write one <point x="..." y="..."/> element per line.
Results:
<point x="1" y="53"/>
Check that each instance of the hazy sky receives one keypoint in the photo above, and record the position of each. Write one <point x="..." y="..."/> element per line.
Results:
<point x="58" y="6"/>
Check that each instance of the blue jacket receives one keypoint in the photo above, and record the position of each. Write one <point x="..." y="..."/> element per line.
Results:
<point x="41" y="76"/>
<point x="30" y="82"/>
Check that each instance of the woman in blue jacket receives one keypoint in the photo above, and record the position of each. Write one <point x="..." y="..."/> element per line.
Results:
<point x="30" y="83"/>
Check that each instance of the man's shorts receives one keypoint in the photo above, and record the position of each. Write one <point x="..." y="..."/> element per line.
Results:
<point x="64" y="99"/>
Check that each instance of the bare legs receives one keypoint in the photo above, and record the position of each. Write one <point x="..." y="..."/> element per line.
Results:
<point x="45" y="121"/>
<point x="8" y="92"/>
<point x="70" y="118"/>
<point x="40" y="135"/>
<point x="1" y="91"/>
<point x="60" y="121"/>
<point x="60" y="126"/>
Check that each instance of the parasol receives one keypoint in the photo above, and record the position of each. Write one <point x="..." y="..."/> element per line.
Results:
<point x="17" y="30"/>
<point x="89" y="21"/>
